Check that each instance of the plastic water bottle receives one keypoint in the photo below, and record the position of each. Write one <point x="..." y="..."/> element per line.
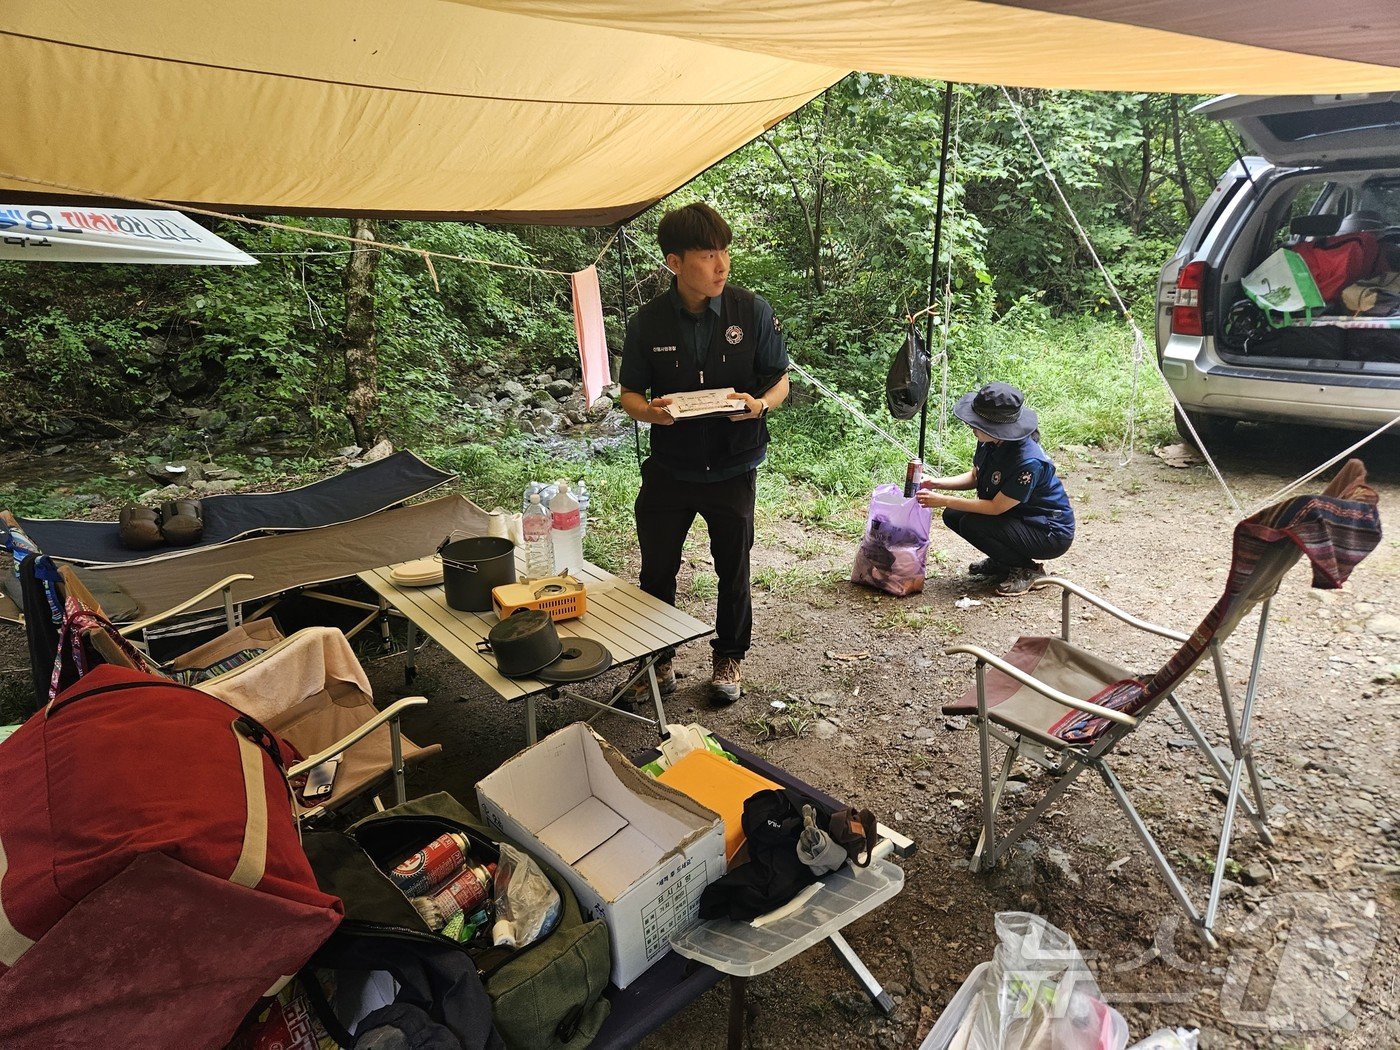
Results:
<point x="531" y="489"/>
<point x="548" y="492"/>
<point x="581" y="494"/>
<point x="568" y="536"/>
<point x="539" y="545"/>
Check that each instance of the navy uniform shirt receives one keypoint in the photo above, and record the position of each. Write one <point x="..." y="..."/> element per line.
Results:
<point x="1023" y="471"/>
<point x="697" y="331"/>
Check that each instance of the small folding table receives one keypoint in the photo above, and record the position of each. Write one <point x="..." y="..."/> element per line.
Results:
<point x="706" y="953"/>
<point x="631" y="623"/>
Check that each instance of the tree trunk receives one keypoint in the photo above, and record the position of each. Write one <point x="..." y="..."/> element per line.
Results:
<point x="361" y="353"/>
<point x="1183" y="178"/>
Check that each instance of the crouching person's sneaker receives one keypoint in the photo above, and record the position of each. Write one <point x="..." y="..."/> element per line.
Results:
<point x="640" y="690"/>
<point x="724" y="682"/>
<point x="990" y="568"/>
<point x="1020" y="580"/>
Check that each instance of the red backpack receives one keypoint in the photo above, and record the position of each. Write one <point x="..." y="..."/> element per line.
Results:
<point x="1336" y="262"/>
<point x="122" y="764"/>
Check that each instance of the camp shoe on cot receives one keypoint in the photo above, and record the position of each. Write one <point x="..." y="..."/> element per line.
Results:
<point x="724" y="682"/>
<point x="1020" y="580"/>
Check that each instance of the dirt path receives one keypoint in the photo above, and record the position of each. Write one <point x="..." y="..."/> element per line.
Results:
<point x="1310" y="955"/>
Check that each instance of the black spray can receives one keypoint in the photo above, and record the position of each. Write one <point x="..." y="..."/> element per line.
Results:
<point x="913" y="475"/>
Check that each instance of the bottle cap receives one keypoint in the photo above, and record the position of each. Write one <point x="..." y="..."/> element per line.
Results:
<point x="503" y="934"/>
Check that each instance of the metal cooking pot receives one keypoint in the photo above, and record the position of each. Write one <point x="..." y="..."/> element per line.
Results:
<point x="471" y="567"/>
<point x="523" y="643"/>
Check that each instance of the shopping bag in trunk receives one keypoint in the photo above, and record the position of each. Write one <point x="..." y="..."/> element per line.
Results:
<point x="895" y="545"/>
<point x="1281" y="286"/>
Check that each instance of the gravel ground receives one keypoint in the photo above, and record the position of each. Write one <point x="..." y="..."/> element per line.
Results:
<point x="1310" y="953"/>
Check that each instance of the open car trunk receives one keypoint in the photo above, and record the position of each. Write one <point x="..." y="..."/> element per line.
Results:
<point x="1336" y="171"/>
<point x="1302" y="209"/>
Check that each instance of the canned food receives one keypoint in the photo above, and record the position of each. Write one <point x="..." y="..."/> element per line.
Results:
<point x="434" y="864"/>
<point x="466" y="893"/>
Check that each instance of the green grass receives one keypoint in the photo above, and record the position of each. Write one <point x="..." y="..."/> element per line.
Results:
<point x="795" y="581"/>
<point x="67" y="500"/>
<point x="822" y="464"/>
<point x="917" y="618"/>
<point x="704" y="586"/>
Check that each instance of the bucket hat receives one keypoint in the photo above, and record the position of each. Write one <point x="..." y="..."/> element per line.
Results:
<point x="998" y="409"/>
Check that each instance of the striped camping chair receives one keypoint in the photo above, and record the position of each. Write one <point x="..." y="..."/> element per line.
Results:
<point x="1065" y="709"/>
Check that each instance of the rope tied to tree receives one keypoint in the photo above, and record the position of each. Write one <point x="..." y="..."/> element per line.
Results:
<point x="362" y="244"/>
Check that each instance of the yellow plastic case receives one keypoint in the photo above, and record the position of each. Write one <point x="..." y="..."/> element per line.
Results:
<point x="561" y="597"/>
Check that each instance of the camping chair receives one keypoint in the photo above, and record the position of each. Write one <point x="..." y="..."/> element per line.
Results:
<point x="239" y="641"/>
<point x="1048" y="697"/>
<point x="310" y="690"/>
<point x="54" y="597"/>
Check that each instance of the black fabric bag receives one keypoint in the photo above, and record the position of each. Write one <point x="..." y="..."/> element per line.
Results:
<point x="774" y="872"/>
<point x="437" y="983"/>
<point x="906" y="385"/>
<point x="40" y="631"/>
<point x="544" y="996"/>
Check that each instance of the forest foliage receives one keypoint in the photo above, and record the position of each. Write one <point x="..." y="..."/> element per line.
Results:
<point x="833" y="215"/>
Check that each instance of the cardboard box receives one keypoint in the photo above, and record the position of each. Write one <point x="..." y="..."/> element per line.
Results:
<point x="636" y="853"/>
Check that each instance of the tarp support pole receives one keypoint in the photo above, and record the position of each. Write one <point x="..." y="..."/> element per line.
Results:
<point x="623" y="298"/>
<point x="937" y="243"/>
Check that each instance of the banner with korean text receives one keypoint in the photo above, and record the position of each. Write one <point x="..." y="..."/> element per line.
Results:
<point x="62" y="233"/>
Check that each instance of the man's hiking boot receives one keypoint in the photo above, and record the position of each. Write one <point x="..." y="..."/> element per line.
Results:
<point x="724" y="682"/>
<point x="1020" y="580"/>
<point x="640" y="690"/>
<point x="989" y="567"/>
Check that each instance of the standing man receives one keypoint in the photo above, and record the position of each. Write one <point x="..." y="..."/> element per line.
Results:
<point x="702" y="334"/>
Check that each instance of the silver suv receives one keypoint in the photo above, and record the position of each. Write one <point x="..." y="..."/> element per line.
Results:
<point x="1326" y="165"/>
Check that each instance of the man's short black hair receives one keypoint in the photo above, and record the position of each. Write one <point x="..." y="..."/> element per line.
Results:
<point x="694" y="227"/>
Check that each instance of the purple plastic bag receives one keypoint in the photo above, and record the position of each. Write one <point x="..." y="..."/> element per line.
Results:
<point x="892" y="553"/>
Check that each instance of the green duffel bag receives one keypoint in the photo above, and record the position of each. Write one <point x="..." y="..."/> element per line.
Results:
<point x="545" y="995"/>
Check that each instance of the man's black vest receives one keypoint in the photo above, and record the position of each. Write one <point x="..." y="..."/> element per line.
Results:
<point x="701" y="445"/>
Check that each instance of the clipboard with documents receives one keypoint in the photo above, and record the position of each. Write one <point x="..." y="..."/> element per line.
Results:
<point x="696" y="404"/>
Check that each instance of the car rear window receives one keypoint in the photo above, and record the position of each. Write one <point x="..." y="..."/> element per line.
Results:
<point x="1299" y="127"/>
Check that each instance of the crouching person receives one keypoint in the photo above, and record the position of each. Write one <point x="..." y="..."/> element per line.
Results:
<point x="1021" y="516"/>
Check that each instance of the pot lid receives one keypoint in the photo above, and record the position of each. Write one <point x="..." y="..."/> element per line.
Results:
<point x="582" y="658"/>
<point x="523" y="624"/>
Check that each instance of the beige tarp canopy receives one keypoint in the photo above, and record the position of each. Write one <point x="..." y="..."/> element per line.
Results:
<point x="566" y="111"/>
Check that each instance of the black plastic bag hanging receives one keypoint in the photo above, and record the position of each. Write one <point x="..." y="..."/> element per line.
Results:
<point x="907" y="384"/>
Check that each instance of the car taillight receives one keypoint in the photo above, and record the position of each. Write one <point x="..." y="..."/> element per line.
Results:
<point x="1188" y="315"/>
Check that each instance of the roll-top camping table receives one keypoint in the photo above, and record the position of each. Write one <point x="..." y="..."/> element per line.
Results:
<point x="631" y="623"/>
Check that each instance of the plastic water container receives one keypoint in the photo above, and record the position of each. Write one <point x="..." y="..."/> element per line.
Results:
<point x="537" y="528"/>
<point x="581" y="494"/>
<point x="548" y="492"/>
<point x="533" y="488"/>
<point x="567" y="533"/>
